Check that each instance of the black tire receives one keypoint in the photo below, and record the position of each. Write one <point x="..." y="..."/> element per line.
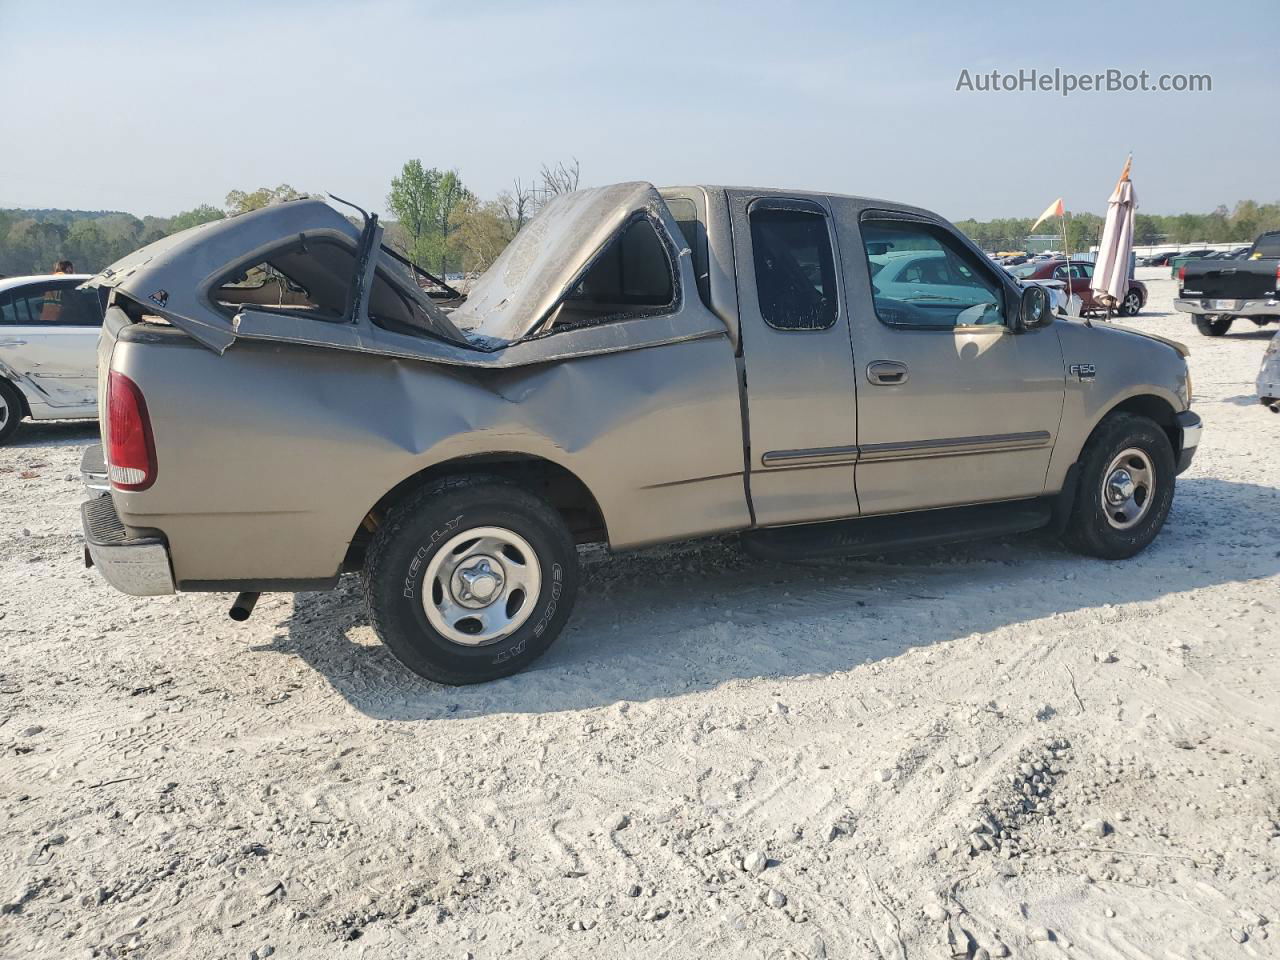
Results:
<point x="12" y="410"/>
<point x="1089" y="529"/>
<point x="1131" y="305"/>
<point x="415" y="531"/>
<point x="1212" y="326"/>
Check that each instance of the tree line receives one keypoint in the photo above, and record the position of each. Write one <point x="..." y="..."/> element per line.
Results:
<point x="436" y="221"/>
<point x="1239" y="224"/>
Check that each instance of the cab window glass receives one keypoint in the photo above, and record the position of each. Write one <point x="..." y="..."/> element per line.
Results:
<point x="921" y="276"/>
<point x="795" y="269"/>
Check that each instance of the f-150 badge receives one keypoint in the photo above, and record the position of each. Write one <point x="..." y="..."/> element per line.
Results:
<point x="1084" y="371"/>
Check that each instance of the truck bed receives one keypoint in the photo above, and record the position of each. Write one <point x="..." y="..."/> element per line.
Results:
<point x="1230" y="279"/>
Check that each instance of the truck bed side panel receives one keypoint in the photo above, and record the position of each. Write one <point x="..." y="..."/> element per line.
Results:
<point x="306" y="440"/>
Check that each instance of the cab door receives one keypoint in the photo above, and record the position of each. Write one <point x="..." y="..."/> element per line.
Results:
<point x="954" y="407"/>
<point x="48" y="343"/>
<point x="797" y="360"/>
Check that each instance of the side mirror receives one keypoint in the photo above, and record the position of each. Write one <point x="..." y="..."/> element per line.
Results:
<point x="1034" y="309"/>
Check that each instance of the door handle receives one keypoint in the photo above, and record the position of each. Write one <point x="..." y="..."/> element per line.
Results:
<point x="887" y="372"/>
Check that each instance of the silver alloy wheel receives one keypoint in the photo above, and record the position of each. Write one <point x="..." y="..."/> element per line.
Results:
<point x="1128" y="486"/>
<point x="1132" y="303"/>
<point x="481" y="586"/>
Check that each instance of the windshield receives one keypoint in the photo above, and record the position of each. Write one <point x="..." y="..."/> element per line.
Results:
<point x="1024" y="271"/>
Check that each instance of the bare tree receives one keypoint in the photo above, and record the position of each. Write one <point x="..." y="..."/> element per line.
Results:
<point x="562" y="178"/>
<point x="517" y="205"/>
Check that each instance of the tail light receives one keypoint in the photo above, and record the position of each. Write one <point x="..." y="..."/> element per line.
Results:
<point x="131" y="449"/>
<point x="1182" y="274"/>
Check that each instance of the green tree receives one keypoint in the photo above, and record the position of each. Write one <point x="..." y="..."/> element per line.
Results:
<point x="194" y="217"/>
<point x="33" y="246"/>
<point x="480" y="232"/>
<point x="240" y="202"/>
<point x="414" y="200"/>
<point x="451" y="195"/>
<point x="86" y="246"/>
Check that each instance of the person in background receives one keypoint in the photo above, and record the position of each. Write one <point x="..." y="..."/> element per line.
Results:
<point x="51" y="306"/>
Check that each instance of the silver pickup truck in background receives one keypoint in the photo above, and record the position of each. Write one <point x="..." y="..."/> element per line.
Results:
<point x="284" y="403"/>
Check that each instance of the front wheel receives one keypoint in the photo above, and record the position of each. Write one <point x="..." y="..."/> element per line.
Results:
<point x="1125" y="488"/>
<point x="470" y="579"/>
<point x="1131" y="304"/>
<point x="10" y="410"/>
<point x="1212" y="326"/>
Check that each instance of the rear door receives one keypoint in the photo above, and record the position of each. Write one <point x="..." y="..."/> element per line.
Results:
<point x="954" y="407"/>
<point x="797" y="361"/>
<point x="48" y="341"/>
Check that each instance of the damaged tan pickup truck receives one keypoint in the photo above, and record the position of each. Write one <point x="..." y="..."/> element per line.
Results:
<point x="828" y="375"/>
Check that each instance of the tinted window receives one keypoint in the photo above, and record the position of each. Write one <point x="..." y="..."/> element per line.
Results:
<point x="922" y="276"/>
<point x="54" y="304"/>
<point x="1267" y="246"/>
<point x="795" y="270"/>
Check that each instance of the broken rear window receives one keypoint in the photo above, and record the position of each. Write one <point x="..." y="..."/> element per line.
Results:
<point x="313" y="278"/>
<point x="632" y="277"/>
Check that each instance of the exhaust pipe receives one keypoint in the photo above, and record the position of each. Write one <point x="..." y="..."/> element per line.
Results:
<point x="242" y="609"/>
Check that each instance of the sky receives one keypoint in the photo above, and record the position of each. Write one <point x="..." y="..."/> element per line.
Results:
<point x="163" y="106"/>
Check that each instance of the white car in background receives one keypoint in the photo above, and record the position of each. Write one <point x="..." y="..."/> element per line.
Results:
<point x="48" y="349"/>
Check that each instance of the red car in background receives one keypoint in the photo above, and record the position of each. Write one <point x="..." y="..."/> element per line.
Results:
<point x="1078" y="274"/>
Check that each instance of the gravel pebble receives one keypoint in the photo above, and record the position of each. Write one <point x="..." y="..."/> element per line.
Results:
<point x="755" y="862"/>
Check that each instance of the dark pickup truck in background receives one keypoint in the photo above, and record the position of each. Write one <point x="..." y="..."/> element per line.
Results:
<point x="1216" y="292"/>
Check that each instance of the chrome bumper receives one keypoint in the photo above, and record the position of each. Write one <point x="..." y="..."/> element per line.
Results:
<point x="1233" y="308"/>
<point x="138" y="566"/>
<point x="1192" y="427"/>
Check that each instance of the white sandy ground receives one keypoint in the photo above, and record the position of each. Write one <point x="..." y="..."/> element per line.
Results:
<point x="176" y="785"/>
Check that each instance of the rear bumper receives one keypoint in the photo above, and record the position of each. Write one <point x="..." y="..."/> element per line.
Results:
<point x="138" y="566"/>
<point x="1230" y="308"/>
<point x="1190" y="425"/>
<point x="93" y="470"/>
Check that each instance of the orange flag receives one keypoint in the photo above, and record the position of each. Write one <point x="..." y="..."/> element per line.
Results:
<point x="1056" y="209"/>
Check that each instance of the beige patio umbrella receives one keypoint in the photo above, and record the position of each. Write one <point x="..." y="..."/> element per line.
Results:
<point x="1111" y="270"/>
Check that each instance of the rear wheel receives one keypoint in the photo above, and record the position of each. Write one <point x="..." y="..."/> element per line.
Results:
<point x="11" y="410"/>
<point x="471" y="579"/>
<point x="1212" y="326"/>
<point x="1125" y="490"/>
